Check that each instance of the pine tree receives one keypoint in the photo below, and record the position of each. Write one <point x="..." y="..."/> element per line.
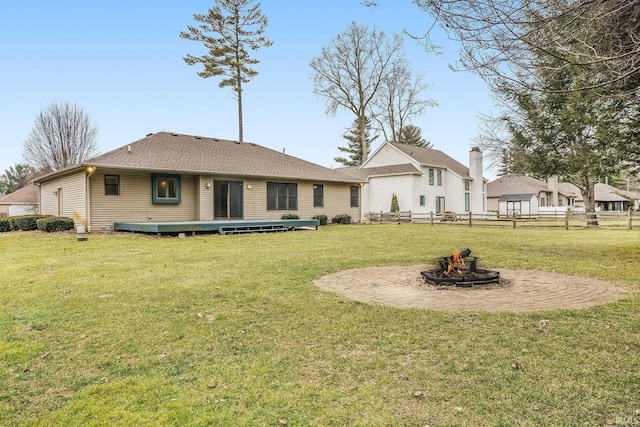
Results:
<point x="412" y="135"/>
<point x="237" y="30"/>
<point x="354" y="147"/>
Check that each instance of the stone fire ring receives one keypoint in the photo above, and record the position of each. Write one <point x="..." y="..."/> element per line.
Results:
<point x="524" y="290"/>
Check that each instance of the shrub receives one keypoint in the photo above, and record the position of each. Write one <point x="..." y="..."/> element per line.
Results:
<point x="289" y="215"/>
<point x="341" y="219"/>
<point x="53" y="223"/>
<point x="395" y="207"/>
<point x="322" y="218"/>
<point x="26" y="222"/>
<point x="5" y="225"/>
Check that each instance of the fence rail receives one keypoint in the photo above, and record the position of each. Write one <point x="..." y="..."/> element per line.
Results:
<point x="557" y="219"/>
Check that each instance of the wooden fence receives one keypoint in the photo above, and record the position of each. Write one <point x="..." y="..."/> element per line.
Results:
<point x="559" y="219"/>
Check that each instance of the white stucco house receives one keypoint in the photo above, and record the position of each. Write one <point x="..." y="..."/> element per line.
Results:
<point x="424" y="180"/>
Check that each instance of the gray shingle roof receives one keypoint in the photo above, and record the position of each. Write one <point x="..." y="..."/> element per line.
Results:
<point x="27" y="194"/>
<point x="365" y="173"/>
<point x="515" y="184"/>
<point x="173" y="152"/>
<point x="515" y="197"/>
<point x="431" y="157"/>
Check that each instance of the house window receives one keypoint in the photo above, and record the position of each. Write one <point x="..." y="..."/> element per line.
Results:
<point x="282" y="196"/>
<point x="165" y="188"/>
<point x="355" y="196"/>
<point x="559" y="202"/>
<point x="467" y="202"/>
<point x="543" y="201"/>
<point x="422" y="200"/>
<point x="439" y="176"/>
<point x="466" y="186"/>
<point x="430" y="176"/>
<point x="440" y="204"/>
<point x="112" y="185"/>
<point x="318" y="195"/>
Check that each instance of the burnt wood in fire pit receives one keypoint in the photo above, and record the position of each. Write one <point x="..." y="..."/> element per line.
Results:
<point x="460" y="269"/>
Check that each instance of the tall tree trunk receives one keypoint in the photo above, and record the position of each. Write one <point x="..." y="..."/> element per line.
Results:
<point x="239" y="87"/>
<point x="363" y="137"/>
<point x="587" y="189"/>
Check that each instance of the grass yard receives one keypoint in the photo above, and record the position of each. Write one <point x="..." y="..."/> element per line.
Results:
<point x="230" y="331"/>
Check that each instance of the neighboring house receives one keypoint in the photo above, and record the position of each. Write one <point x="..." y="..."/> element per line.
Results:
<point x="174" y="177"/>
<point x="423" y="179"/>
<point x="23" y="201"/>
<point x="610" y="198"/>
<point x="506" y="195"/>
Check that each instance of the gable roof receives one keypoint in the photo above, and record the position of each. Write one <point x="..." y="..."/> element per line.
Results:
<point x="515" y="184"/>
<point x="178" y="153"/>
<point x="25" y="195"/>
<point x="432" y="157"/>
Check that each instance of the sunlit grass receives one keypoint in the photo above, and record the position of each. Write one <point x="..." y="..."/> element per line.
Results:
<point x="230" y="330"/>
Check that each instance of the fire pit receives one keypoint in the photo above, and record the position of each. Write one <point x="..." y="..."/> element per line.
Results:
<point x="460" y="269"/>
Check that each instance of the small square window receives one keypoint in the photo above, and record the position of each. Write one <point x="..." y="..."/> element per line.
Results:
<point x="165" y="188"/>
<point x="112" y="185"/>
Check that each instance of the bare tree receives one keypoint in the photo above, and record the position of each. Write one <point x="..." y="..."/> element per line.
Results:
<point x="399" y="100"/>
<point x="501" y="39"/>
<point x="237" y="29"/>
<point x="62" y="136"/>
<point x="349" y="71"/>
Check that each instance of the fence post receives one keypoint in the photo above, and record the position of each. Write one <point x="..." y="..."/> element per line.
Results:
<point x="469" y="218"/>
<point x="566" y="219"/>
<point x="514" y="220"/>
<point x="431" y="213"/>
<point x="630" y="226"/>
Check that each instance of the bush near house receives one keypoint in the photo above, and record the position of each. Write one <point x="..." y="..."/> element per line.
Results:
<point x="25" y="222"/>
<point x="341" y="219"/>
<point x="5" y="225"/>
<point x="52" y="223"/>
<point x="322" y="218"/>
<point x="289" y="215"/>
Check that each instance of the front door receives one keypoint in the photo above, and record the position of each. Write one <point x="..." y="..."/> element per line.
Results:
<point x="227" y="199"/>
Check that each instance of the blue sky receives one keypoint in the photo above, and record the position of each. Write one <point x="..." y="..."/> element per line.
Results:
<point x="121" y="61"/>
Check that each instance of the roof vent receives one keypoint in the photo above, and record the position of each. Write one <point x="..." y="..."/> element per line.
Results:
<point x="129" y="149"/>
<point x="174" y="134"/>
<point x="198" y="137"/>
<point x="149" y="134"/>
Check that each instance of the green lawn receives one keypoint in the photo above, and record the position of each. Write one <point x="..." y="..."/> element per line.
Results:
<point x="230" y="331"/>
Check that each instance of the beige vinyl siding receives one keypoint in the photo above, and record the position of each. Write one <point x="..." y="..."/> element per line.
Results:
<point x="70" y="191"/>
<point x="337" y="200"/>
<point x="204" y="198"/>
<point x="134" y="203"/>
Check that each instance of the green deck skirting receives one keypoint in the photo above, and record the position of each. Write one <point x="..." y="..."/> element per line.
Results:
<point x="222" y="227"/>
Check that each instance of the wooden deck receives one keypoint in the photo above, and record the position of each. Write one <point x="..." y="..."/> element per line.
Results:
<point x="220" y="227"/>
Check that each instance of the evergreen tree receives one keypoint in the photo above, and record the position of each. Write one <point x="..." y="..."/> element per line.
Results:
<point x="354" y="146"/>
<point x="15" y="178"/>
<point x="237" y="30"/>
<point x="412" y="135"/>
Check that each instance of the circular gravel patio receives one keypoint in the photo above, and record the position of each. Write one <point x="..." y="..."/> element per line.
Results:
<point x="521" y="290"/>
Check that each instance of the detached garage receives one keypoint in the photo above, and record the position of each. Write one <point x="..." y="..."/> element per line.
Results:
<point x="518" y="205"/>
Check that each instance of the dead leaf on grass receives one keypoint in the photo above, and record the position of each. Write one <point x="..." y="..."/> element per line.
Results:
<point x="516" y="366"/>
